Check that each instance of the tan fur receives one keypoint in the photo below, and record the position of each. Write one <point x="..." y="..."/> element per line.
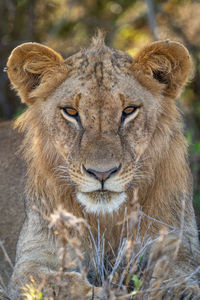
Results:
<point x="12" y="184"/>
<point x="150" y="148"/>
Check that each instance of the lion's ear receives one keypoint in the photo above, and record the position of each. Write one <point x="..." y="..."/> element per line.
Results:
<point x="163" y="67"/>
<point x="29" y="66"/>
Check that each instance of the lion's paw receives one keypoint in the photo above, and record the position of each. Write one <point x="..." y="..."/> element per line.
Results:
<point x="71" y="286"/>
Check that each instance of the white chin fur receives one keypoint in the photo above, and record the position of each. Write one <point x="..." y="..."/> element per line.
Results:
<point x="101" y="206"/>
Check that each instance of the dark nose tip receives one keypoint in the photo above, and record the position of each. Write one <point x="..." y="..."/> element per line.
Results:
<point x="102" y="176"/>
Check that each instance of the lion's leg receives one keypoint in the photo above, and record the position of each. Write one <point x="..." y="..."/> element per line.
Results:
<point x="69" y="285"/>
<point x="36" y="253"/>
<point x="37" y="258"/>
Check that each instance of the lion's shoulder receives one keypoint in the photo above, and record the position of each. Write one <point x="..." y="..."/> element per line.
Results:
<point x="12" y="170"/>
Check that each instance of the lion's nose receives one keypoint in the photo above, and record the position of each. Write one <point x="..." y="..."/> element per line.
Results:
<point x="102" y="176"/>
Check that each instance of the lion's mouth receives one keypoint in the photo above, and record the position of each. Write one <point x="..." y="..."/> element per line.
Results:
<point x="101" y="201"/>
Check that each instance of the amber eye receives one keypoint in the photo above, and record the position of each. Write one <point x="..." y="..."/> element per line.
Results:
<point x="71" y="112"/>
<point x="129" y="110"/>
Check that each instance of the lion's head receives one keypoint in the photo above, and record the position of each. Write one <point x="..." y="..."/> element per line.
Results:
<point x="100" y="121"/>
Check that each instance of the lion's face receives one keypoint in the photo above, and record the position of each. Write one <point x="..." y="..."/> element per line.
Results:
<point x="100" y="131"/>
<point x="98" y="110"/>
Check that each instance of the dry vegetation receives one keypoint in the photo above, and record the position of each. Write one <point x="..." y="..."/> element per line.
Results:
<point x="140" y="269"/>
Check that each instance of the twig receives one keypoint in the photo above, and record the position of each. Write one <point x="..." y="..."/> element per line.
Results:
<point x="6" y="255"/>
<point x="152" y="19"/>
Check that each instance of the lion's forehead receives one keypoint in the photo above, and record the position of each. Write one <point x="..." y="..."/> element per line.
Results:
<point x="100" y="79"/>
<point x="103" y="65"/>
<point x="109" y="99"/>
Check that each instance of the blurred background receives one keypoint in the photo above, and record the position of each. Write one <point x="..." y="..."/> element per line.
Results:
<point x="68" y="25"/>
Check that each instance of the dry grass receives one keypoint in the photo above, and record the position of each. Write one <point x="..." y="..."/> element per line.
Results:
<point x="139" y="269"/>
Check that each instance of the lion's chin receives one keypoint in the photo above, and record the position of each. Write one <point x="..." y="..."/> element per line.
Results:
<point x="98" y="202"/>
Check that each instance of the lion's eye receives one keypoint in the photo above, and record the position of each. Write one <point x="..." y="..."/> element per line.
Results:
<point x="69" y="111"/>
<point x="72" y="112"/>
<point x="129" y="110"/>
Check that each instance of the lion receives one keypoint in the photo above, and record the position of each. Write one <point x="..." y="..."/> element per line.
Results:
<point x="99" y="126"/>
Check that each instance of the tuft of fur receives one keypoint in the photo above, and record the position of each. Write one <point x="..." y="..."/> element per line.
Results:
<point x="98" y="42"/>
